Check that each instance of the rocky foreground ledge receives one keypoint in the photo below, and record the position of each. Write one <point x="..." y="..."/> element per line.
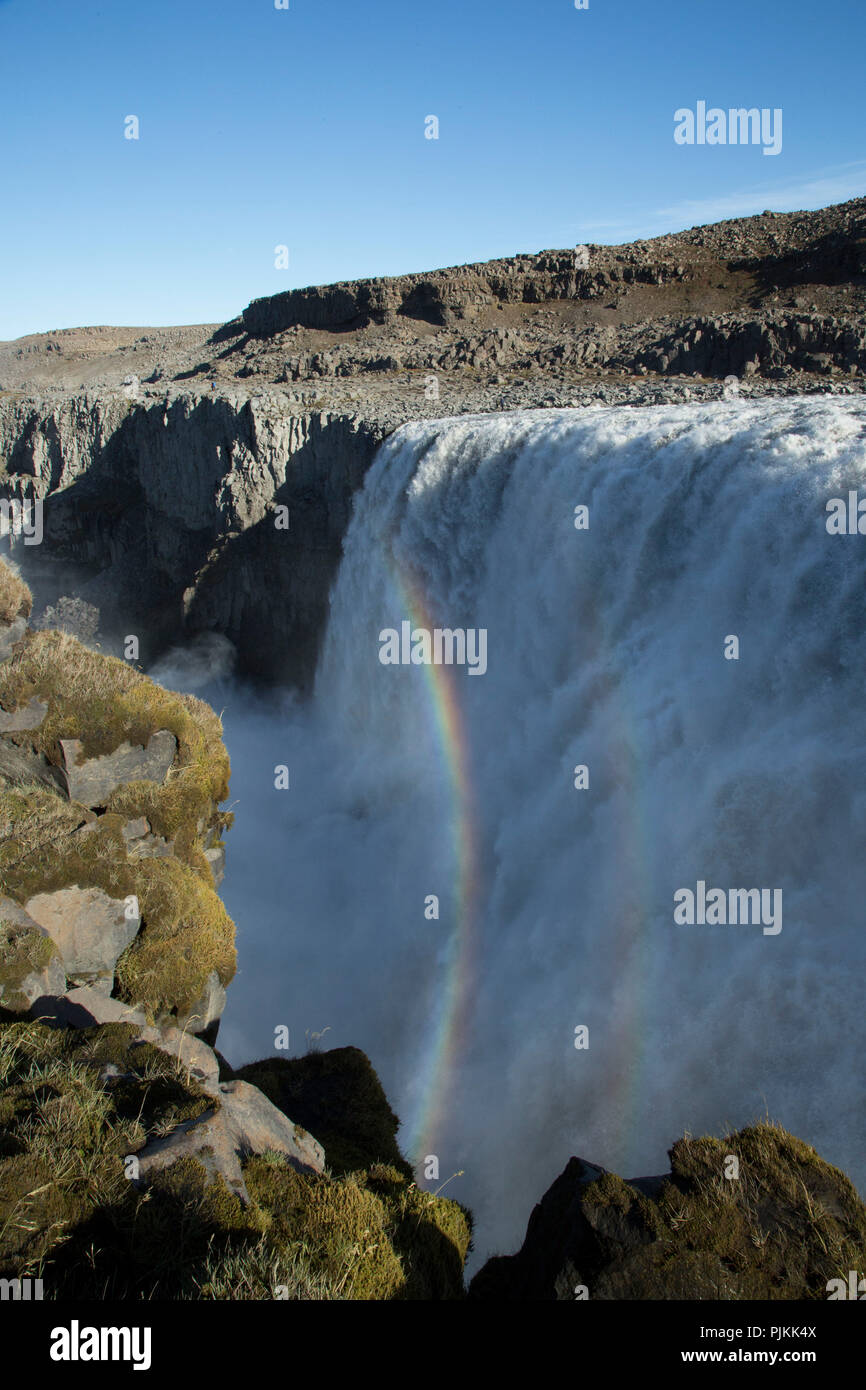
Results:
<point x="136" y="1163"/>
<point x="756" y="1215"/>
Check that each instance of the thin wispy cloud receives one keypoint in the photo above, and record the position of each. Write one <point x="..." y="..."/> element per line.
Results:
<point x="835" y="185"/>
<point x="832" y="186"/>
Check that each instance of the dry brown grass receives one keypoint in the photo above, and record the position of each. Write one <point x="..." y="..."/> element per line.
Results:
<point x="16" y="600"/>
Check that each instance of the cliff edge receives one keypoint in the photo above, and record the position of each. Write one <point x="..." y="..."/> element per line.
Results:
<point x="134" y="1162"/>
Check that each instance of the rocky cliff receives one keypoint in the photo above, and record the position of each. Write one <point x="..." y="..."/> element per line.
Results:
<point x="189" y="475"/>
<point x="755" y="1215"/>
<point x="784" y="249"/>
<point x="120" y="1126"/>
<point x="179" y="517"/>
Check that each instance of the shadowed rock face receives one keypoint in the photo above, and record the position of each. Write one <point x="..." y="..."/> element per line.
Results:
<point x="168" y="515"/>
<point x="19" y="767"/>
<point x="757" y="1215"/>
<point x="338" y="1096"/>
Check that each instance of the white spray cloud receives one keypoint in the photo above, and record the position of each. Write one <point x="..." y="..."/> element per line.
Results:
<point x="208" y="657"/>
<point x="605" y="648"/>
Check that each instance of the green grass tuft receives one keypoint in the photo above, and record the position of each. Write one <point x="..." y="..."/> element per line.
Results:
<point x="69" y="1216"/>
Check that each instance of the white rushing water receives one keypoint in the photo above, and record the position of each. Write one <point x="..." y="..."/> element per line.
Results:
<point x="605" y="648"/>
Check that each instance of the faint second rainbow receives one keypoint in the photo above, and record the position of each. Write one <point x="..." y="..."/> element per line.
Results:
<point x="446" y="1031"/>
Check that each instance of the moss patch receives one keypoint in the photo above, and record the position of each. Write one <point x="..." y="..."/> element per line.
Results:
<point x="23" y="952"/>
<point x="45" y="844"/>
<point x="368" y="1234"/>
<point x="342" y="1225"/>
<point x="40" y="850"/>
<point x="187" y="933"/>
<point x="105" y="702"/>
<point x="787" y="1225"/>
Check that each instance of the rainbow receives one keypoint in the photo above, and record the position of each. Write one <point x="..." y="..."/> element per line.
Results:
<point x="448" y="1027"/>
<point x="446" y="1035"/>
<point x="626" y="1068"/>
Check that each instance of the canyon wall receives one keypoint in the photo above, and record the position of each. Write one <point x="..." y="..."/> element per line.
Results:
<point x="167" y="514"/>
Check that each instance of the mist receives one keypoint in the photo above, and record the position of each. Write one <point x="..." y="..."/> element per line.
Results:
<point x="606" y="651"/>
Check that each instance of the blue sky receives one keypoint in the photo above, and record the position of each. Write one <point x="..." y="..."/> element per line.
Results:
<point x="305" y="128"/>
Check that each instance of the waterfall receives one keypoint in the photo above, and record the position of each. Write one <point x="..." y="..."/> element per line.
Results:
<point x="472" y="875"/>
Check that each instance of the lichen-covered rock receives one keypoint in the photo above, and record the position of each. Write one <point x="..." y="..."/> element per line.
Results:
<point x="83" y="1007"/>
<point x="29" y="716"/>
<point x="135" y="829"/>
<point x="21" y="767"/>
<point x="141" y="844"/>
<point x="216" y="858"/>
<point x="245" y="1123"/>
<point x="757" y="1215"/>
<point x="91" y="781"/>
<point x="90" y="929"/>
<point x="30" y="966"/>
